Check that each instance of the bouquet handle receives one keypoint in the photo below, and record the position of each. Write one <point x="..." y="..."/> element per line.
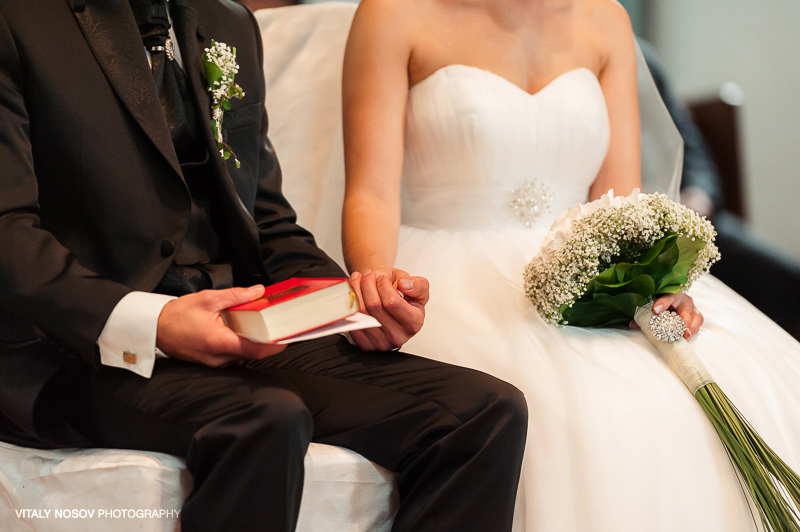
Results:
<point x="679" y="355"/>
<point x="773" y="486"/>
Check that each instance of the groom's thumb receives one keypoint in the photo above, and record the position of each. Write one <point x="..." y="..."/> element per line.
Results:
<point x="238" y="295"/>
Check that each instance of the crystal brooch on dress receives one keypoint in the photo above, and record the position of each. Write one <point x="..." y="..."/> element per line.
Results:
<point x="530" y="201"/>
<point x="667" y="326"/>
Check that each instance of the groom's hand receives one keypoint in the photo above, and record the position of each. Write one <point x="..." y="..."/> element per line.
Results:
<point x="396" y="300"/>
<point x="190" y="328"/>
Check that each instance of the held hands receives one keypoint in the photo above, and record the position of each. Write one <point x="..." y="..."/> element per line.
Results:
<point x="395" y="299"/>
<point x="684" y="306"/>
<point x="190" y="328"/>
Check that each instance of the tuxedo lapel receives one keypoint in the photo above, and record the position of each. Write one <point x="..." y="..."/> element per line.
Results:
<point x="106" y="25"/>
<point x="184" y="22"/>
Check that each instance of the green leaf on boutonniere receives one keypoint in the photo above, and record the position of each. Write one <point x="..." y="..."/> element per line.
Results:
<point x="213" y="73"/>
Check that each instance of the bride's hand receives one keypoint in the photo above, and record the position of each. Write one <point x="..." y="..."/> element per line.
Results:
<point x="396" y="300"/>
<point x="684" y="306"/>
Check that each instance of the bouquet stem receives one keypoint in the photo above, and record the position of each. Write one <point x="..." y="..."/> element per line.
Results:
<point x="773" y="485"/>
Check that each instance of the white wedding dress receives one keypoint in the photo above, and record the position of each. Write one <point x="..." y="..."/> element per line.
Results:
<point x="616" y="443"/>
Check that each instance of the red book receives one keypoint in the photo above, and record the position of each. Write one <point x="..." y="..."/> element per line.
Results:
<point x="293" y="307"/>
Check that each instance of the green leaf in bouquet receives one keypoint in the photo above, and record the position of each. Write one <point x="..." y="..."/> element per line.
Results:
<point x="608" y="277"/>
<point x="672" y="283"/>
<point x="689" y="250"/>
<point x="663" y="264"/>
<point x="641" y="284"/>
<point x="658" y="262"/>
<point x="606" y="283"/>
<point x="671" y="289"/>
<point x="656" y="249"/>
<point x="685" y="251"/>
<point x="604" y="310"/>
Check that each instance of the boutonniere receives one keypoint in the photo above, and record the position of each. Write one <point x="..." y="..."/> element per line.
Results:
<point x="221" y="67"/>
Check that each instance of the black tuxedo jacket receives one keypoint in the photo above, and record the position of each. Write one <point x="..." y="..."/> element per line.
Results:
<point x="93" y="204"/>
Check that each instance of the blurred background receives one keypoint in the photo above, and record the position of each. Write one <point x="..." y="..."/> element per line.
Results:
<point x="710" y="46"/>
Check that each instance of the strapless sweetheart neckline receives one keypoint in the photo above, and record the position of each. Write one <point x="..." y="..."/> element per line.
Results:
<point x="503" y="80"/>
<point x="473" y="138"/>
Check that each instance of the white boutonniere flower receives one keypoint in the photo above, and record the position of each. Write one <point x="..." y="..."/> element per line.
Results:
<point x="221" y="67"/>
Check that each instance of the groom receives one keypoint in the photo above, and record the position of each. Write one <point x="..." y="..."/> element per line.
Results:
<point x="124" y="233"/>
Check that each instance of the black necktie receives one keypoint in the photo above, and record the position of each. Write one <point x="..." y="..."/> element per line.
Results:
<point x="153" y="21"/>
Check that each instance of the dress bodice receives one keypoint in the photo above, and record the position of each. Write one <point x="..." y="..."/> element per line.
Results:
<point x="473" y="140"/>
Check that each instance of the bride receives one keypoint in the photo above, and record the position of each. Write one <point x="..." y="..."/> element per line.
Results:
<point x="453" y="109"/>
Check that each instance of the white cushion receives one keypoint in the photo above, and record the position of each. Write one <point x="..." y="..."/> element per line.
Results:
<point x="110" y="489"/>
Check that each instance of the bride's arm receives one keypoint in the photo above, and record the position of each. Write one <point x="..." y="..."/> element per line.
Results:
<point x="622" y="167"/>
<point x="374" y="94"/>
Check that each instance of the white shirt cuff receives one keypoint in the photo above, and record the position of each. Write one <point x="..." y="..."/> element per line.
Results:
<point x="128" y="340"/>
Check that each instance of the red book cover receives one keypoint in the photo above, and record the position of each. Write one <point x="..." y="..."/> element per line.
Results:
<point x="288" y="289"/>
<point x="292" y="307"/>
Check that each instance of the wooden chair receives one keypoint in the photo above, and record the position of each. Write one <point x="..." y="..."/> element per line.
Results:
<point x="718" y="120"/>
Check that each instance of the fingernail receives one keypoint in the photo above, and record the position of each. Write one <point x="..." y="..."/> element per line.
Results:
<point x="658" y="308"/>
<point x="256" y="288"/>
<point x="406" y="284"/>
<point x="688" y="334"/>
<point x="355" y="276"/>
<point x="367" y="272"/>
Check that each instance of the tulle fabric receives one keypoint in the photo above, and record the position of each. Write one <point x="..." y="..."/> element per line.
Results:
<point x="615" y="443"/>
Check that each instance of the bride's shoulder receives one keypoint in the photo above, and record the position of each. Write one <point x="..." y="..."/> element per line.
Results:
<point x="607" y="27"/>
<point x="606" y="16"/>
<point x="401" y="8"/>
<point x="407" y="8"/>
<point x="410" y="18"/>
<point x="389" y="18"/>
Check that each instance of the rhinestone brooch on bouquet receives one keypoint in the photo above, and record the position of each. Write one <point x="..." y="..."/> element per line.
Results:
<point x="667" y="326"/>
<point x="530" y="201"/>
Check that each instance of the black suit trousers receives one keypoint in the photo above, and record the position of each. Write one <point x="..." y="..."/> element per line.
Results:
<point x="454" y="436"/>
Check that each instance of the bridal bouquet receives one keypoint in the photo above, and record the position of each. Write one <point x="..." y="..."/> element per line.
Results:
<point x="604" y="263"/>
